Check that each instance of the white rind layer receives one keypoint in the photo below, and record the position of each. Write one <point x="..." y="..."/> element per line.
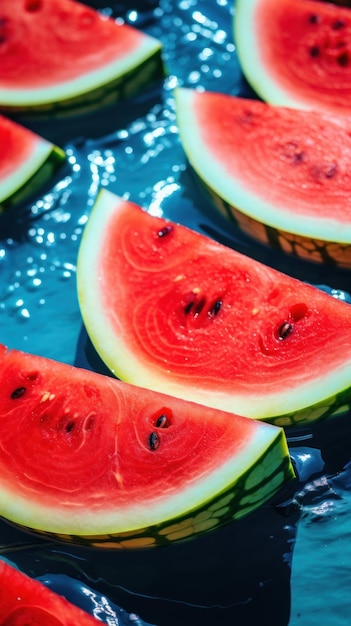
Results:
<point x="11" y="183"/>
<point x="81" y="85"/>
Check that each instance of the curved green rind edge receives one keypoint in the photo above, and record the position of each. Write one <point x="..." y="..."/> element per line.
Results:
<point x="306" y="248"/>
<point x="44" y="173"/>
<point x="243" y="37"/>
<point x="255" y="487"/>
<point x="333" y="406"/>
<point x="126" y="86"/>
<point x="254" y="70"/>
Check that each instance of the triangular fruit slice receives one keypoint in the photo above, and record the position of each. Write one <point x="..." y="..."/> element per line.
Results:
<point x="172" y="310"/>
<point x="25" y="601"/>
<point x="27" y="161"/>
<point x="283" y="175"/>
<point x="296" y="52"/>
<point x="61" y="54"/>
<point x="90" y="459"/>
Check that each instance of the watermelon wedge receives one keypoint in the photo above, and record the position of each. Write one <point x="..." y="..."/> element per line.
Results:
<point x="172" y="310"/>
<point x="27" y="161"/>
<point x="89" y="459"/>
<point x="283" y="175"/>
<point x="296" y="52"/>
<point x="25" y="601"/>
<point x="59" y="55"/>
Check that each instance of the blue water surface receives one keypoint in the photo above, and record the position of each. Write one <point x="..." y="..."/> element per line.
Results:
<point x="289" y="562"/>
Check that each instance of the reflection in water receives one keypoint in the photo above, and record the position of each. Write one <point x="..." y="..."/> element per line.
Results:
<point x="239" y="574"/>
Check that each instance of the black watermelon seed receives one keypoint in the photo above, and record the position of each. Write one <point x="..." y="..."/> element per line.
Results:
<point x="314" y="51"/>
<point x="293" y="153"/>
<point x="313" y="19"/>
<point x="154" y="441"/>
<point x="163" y="232"/>
<point x="18" y="393"/>
<point x="216" y="307"/>
<point x="162" y="421"/>
<point x="299" y="157"/>
<point x="285" y="330"/>
<point x="343" y="59"/>
<point x="331" y="170"/>
<point x="338" y="24"/>
<point x="188" y="307"/>
<point x="69" y="426"/>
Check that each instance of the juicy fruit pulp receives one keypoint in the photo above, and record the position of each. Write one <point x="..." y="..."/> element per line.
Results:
<point x="172" y="310"/>
<point x="296" y="52"/>
<point x="27" y="602"/>
<point x="282" y="174"/>
<point x="27" y="161"/>
<point x="63" y="54"/>
<point x="90" y="459"/>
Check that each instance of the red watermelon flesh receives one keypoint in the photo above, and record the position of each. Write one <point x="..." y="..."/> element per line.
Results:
<point x="17" y="143"/>
<point x="83" y="42"/>
<point x="176" y="311"/>
<point x="296" y="52"/>
<point x="26" y="161"/>
<point x="28" y="602"/>
<point x="282" y="174"/>
<point x="295" y="165"/>
<point x="57" y="50"/>
<point x="86" y="455"/>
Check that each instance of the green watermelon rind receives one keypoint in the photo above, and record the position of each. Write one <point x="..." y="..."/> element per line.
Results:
<point x="307" y="248"/>
<point x="31" y="175"/>
<point x="254" y="488"/>
<point x="99" y="88"/>
<point x="332" y="406"/>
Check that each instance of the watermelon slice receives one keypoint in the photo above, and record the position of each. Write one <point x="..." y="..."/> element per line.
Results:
<point x="296" y="52"/>
<point x="170" y="309"/>
<point x="25" y="601"/>
<point x="283" y="175"/>
<point x="57" y="55"/>
<point x="87" y="458"/>
<point x="27" y="161"/>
